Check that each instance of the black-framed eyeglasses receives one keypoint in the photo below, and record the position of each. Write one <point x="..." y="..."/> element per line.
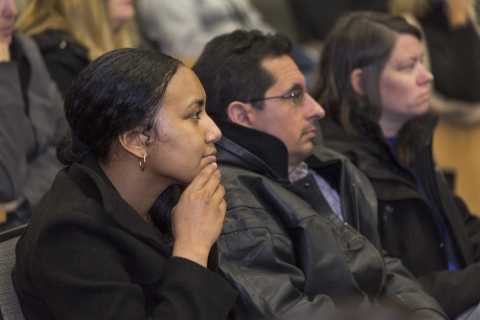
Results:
<point x="297" y="96"/>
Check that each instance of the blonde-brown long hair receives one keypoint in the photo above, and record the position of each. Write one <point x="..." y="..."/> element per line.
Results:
<point x="419" y="8"/>
<point x="89" y="22"/>
<point x="416" y="7"/>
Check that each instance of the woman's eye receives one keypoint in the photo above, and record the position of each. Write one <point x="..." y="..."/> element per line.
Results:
<point x="195" y="115"/>
<point x="408" y="67"/>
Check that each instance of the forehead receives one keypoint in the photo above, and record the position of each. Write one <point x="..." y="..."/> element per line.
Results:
<point x="183" y="89"/>
<point x="406" y="46"/>
<point x="284" y="71"/>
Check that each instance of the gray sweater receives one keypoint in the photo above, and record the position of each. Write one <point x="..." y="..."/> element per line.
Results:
<point x="31" y="123"/>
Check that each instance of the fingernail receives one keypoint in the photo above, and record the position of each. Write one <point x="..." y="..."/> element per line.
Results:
<point x="214" y="164"/>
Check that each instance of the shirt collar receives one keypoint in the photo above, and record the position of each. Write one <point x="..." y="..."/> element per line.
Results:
<point x="299" y="172"/>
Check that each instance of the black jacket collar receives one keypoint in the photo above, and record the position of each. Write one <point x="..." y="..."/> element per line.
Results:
<point x="252" y="149"/>
<point x="369" y="147"/>
<point x="423" y="127"/>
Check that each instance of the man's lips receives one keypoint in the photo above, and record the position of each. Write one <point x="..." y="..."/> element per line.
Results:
<point x="309" y="131"/>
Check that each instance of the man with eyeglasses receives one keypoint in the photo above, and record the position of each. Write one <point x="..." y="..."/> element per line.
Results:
<point x="300" y="236"/>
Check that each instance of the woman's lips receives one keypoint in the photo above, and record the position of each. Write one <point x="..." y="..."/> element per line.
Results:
<point x="211" y="156"/>
<point x="6" y="31"/>
<point x="424" y="96"/>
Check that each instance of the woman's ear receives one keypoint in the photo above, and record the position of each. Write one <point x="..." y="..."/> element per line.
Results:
<point x="356" y="81"/>
<point x="134" y="142"/>
<point x="240" y="113"/>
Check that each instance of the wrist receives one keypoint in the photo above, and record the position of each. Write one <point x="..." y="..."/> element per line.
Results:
<point x="194" y="253"/>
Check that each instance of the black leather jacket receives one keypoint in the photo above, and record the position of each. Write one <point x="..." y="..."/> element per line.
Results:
<point x="286" y="252"/>
<point x="407" y="223"/>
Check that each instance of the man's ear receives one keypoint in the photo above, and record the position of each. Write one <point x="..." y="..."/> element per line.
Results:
<point x="240" y="113"/>
<point x="134" y="142"/>
<point x="356" y="81"/>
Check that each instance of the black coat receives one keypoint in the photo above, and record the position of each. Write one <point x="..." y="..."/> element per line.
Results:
<point x="64" y="57"/>
<point x="285" y="250"/>
<point x="86" y="254"/>
<point x="407" y="224"/>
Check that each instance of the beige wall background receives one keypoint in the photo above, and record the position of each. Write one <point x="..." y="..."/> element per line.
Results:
<point x="457" y="150"/>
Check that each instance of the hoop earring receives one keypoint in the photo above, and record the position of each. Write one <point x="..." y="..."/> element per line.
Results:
<point x="142" y="166"/>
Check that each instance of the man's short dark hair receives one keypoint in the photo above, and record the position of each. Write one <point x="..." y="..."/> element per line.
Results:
<point x="230" y="68"/>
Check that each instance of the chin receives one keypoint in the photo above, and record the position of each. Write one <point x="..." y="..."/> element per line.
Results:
<point x="189" y="177"/>
<point x="308" y="149"/>
<point x="423" y="108"/>
<point x="8" y="39"/>
<point x="186" y="181"/>
<point x="305" y="152"/>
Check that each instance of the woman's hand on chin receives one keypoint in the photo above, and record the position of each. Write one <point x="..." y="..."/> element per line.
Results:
<point x="197" y="218"/>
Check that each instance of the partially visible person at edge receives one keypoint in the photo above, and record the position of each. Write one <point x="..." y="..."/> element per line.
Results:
<point x="451" y="44"/>
<point x="71" y="33"/>
<point x="300" y="237"/>
<point x="31" y="123"/>
<point x="109" y="240"/>
<point x="182" y="28"/>
<point x="377" y="98"/>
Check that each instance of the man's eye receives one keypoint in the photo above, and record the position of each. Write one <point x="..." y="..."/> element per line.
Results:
<point x="297" y="96"/>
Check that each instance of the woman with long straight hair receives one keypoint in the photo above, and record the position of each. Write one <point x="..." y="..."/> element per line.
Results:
<point x="375" y="90"/>
<point x="71" y="33"/>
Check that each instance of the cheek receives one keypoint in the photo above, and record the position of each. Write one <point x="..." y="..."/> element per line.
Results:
<point x="291" y="131"/>
<point x="388" y="88"/>
<point x="282" y="128"/>
<point x="394" y="92"/>
<point x="187" y="143"/>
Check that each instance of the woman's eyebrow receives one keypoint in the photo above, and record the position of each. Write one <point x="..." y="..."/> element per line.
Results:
<point x="409" y="59"/>
<point x="195" y="102"/>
